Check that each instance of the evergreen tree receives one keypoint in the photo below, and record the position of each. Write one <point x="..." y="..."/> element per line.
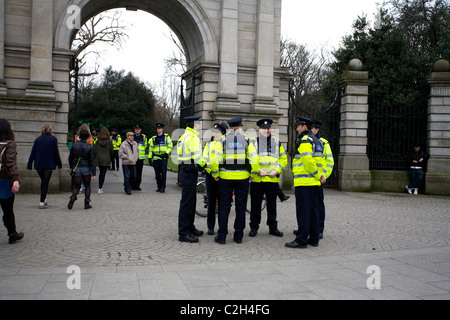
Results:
<point x="119" y="101"/>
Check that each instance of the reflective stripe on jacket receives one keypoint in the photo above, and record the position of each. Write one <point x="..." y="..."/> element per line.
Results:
<point x="233" y="157"/>
<point x="329" y="159"/>
<point x="304" y="166"/>
<point x="117" y="142"/>
<point x="142" y="143"/>
<point x="269" y="155"/>
<point x="158" y="149"/>
<point x="189" y="148"/>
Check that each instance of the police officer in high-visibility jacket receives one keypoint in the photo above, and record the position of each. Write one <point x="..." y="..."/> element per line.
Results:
<point x="142" y="141"/>
<point x="190" y="162"/>
<point x="233" y="173"/>
<point x="212" y="186"/>
<point x="160" y="148"/>
<point x="307" y="179"/>
<point x="117" y="142"/>
<point x="267" y="162"/>
<point x="329" y="162"/>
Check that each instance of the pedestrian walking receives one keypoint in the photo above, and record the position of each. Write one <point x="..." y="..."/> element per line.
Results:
<point x="45" y="157"/>
<point x="160" y="147"/>
<point x="307" y="179"/>
<point x="268" y="159"/>
<point x="212" y="186"/>
<point x="9" y="180"/>
<point x="129" y="153"/>
<point x="103" y="152"/>
<point x="81" y="158"/>
<point x="190" y="160"/>
<point x="233" y="173"/>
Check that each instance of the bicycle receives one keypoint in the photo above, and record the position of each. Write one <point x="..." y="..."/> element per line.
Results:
<point x="202" y="199"/>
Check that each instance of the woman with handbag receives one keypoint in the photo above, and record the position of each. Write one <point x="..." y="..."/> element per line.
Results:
<point x="9" y="179"/>
<point x="45" y="155"/>
<point x="82" y="163"/>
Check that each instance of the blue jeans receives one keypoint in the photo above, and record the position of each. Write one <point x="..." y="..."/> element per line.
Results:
<point x="416" y="176"/>
<point x="129" y="174"/>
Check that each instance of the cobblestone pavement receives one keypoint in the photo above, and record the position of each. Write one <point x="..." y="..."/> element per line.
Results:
<point x="138" y="233"/>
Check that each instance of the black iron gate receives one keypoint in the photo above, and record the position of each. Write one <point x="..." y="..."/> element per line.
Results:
<point x="329" y="115"/>
<point x="393" y="131"/>
<point x="187" y="105"/>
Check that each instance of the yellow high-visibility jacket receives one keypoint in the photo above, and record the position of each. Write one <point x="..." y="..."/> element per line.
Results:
<point x="189" y="148"/>
<point x="210" y="155"/>
<point x="329" y="159"/>
<point x="267" y="154"/>
<point x="116" y="142"/>
<point x="156" y="150"/>
<point x="304" y="166"/>
<point x="233" y="157"/>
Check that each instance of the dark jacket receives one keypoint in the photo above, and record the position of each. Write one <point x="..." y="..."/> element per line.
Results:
<point x="86" y="152"/>
<point x="9" y="161"/>
<point x="103" y="151"/>
<point x="416" y="156"/>
<point x="45" y="154"/>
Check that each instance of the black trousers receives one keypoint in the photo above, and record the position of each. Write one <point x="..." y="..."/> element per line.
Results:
<point x="321" y="209"/>
<point x="45" y="176"/>
<point x="9" y="219"/>
<point x="115" y="160"/>
<point x="102" y="176"/>
<point x="160" y="167"/>
<point x="226" y="189"/>
<point x="257" y="192"/>
<point x="307" y="200"/>
<point x="188" y="202"/>
<point x="212" y="190"/>
<point x="137" y="180"/>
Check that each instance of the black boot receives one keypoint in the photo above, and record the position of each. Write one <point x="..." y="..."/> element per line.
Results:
<point x="15" y="237"/>
<point x="71" y="202"/>
<point x="86" y="204"/>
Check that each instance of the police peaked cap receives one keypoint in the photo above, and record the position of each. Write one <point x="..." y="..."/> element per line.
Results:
<point x="160" y="125"/>
<point x="222" y="127"/>
<point x="317" y="124"/>
<point x="265" y="123"/>
<point x="113" y="129"/>
<point x="138" y="126"/>
<point x="303" y="120"/>
<point x="235" y="122"/>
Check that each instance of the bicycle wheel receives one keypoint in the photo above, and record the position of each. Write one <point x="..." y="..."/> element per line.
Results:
<point x="249" y="204"/>
<point x="202" y="204"/>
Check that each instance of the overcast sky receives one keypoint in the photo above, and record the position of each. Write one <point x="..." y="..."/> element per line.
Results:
<point x="316" y="24"/>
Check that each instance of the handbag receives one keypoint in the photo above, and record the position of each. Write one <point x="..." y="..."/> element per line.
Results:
<point x="74" y="169"/>
<point x="1" y="162"/>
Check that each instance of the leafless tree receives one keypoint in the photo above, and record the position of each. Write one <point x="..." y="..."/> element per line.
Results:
<point x="105" y="28"/>
<point x="308" y="69"/>
<point x="169" y="91"/>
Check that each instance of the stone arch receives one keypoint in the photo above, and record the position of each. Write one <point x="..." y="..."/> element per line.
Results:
<point x="187" y="19"/>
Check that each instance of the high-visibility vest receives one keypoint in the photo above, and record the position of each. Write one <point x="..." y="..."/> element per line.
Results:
<point x="189" y="148"/>
<point x="269" y="155"/>
<point x="329" y="159"/>
<point x="233" y="153"/>
<point x="210" y="155"/>
<point x="117" y="141"/>
<point x="319" y="155"/>
<point x="304" y="165"/>
<point x="158" y="149"/>
<point x="142" y="146"/>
